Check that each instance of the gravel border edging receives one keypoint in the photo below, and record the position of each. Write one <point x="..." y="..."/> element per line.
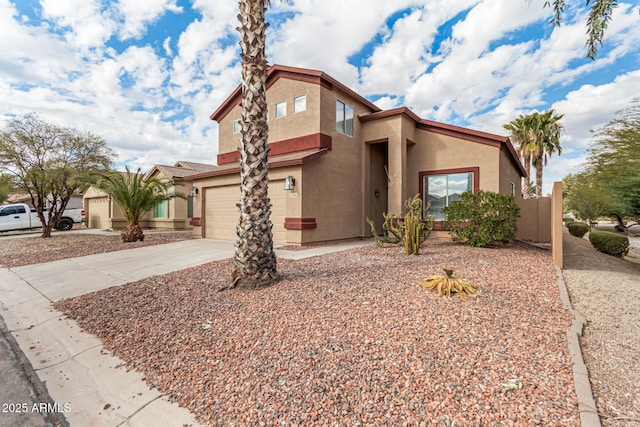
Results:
<point x="586" y="403"/>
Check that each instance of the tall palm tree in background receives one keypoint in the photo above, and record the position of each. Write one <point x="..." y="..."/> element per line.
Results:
<point x="254" y="259"/>
<point x="521" y="136"/>
<point x="548" y="142"/>
<point x="135" y="196"/>
<point x="536" y="137"/>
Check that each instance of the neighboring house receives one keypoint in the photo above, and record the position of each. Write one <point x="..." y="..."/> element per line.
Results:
<point x="341" y="159"/>
<point x="175" y="214"/>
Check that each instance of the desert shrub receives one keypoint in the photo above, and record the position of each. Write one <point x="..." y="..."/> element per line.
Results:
<point x="410" y="231"/>
<point x="578" y="229"/>
<point x="609" y="243"/>
<point x="482" y="218"/>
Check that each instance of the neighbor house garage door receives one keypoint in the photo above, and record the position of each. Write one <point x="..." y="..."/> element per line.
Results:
<point x="98" y="213"/>
<point x="221" y="212"/>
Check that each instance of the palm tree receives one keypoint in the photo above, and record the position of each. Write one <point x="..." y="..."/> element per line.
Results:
<point x="536" y="136"/>
<point x="135" y="196"/>
<point x="548" y="142"/>
<point x="522" y="136"/>
<point x="254" y="260"/>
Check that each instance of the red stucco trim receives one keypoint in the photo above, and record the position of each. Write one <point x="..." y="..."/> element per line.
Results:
<point x="274" y="163"/>
<point x="285" y="146"/>
<point x="307" y="223"/>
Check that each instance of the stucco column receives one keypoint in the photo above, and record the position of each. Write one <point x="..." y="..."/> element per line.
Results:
<point x="397" y="174"/>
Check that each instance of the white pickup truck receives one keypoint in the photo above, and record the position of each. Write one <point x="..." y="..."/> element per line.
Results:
<point x="20" y="217"/>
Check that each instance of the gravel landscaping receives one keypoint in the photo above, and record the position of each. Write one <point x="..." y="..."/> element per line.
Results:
<point x="33" y="249"/>
<point x="610" y="342"/>
<point x="351" y="338"/>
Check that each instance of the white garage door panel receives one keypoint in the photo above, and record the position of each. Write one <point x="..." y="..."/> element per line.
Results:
<point x="98" y="213"/>
<point x="221" y="212"/>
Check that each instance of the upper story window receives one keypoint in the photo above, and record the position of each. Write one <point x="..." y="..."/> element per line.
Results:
<point x="344" y="118"/>
<point x="281" y="109"/>
<point x="236" y="126"/>
<point x="299" y="104"/>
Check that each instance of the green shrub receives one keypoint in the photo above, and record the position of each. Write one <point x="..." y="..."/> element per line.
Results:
<point x="482" y="218"/>
<point x="578" y="229"/>
<point x="568" y="220"/>
<point x="609" y="243"/>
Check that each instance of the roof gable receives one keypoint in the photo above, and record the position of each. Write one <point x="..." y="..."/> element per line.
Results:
<point x="277" y="72"/>
<point x="181" y="169"/>
<point x="481" y="137"/>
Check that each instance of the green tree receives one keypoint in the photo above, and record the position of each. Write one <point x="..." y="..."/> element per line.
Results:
<point x="536" y="136"/>
<point x="50" y="163"/>
<point x="599" y="16"/>
<point x="547" y="143"/>
<point x="135" y="196"/>
<point x="254" y="259"/>
<point x="522" y="135"/>
<point x="586" y="198"/>
<point x="6" y="185"/>
<point x="614" y="161"/>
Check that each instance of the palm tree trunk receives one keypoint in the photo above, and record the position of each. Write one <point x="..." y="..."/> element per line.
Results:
<point x="255" y="260"/>
<point x="526" y="185"/>
<point x="539" y="166"/>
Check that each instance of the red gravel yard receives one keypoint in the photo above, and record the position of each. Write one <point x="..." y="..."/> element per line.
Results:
<point x="350" y="338"/>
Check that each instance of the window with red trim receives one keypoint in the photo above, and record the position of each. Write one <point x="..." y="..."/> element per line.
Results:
<point x="441" y="188"/>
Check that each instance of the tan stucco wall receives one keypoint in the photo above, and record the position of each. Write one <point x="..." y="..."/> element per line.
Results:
<point x="509" y="173"/>
<point x="305" y="123"/>
<point x="435" y="152"/>
<point x="534" y="223"/>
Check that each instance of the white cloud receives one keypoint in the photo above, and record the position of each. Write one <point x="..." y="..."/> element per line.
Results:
<point x="166" y="45"/>
<point x="85" y="23"/>
<point x="323" y="34"/>
<point x="152" y="100"/>
<point x="136" y="14"/>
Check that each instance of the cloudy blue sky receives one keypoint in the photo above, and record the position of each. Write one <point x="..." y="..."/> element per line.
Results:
<point x="146" y="75"/>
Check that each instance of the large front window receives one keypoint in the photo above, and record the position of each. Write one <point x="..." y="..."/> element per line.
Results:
<point x="442" y="190"/>
<point x="344" y="118"/>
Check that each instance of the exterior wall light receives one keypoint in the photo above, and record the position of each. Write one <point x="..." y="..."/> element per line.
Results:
<point x="289" y="183"/>
<point x="194" y="192"/>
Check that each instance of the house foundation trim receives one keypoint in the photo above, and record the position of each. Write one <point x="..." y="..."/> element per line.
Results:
<point x="306" y="223"/>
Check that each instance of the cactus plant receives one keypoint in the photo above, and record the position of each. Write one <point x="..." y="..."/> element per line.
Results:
<point x="409" y="231"/>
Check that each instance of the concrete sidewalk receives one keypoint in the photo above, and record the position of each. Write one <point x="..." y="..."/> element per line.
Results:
<point x="82" y="378"/>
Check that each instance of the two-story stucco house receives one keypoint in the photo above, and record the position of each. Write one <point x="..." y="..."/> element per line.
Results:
<point x="343" y="159"/>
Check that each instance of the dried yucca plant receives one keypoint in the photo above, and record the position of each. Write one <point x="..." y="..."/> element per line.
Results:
<point x="447" y="285"/>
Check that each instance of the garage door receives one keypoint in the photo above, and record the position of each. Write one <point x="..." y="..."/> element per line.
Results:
<point x="98" y="213"/>
<point x="221" y="212"/>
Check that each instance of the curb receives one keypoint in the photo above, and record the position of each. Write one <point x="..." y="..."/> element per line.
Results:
<point x="586" y="403"/>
